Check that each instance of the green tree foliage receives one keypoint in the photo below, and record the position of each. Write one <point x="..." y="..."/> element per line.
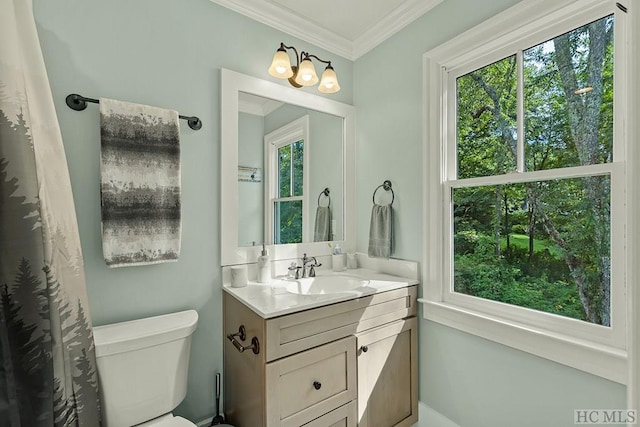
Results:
<point x="289" y="213"/>
<point x="568" y="117"/>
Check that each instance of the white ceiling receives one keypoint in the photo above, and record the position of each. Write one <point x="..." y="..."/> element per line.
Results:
<point x="349" y="28"/>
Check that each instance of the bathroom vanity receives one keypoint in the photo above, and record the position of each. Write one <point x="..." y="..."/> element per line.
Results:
<point x="338" y="359"/>
<point x="343" y="356"/>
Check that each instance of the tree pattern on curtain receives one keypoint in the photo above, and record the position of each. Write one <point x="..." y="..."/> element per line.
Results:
<point x="48" y="374"/>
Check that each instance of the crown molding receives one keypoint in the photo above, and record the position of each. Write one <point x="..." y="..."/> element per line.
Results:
<point x="391" y="24"/>
<point x="292" y="24"/>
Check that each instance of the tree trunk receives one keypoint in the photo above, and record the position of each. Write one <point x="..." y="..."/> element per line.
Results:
<point x="575" y="264"/>
<point x="584" y="118"/>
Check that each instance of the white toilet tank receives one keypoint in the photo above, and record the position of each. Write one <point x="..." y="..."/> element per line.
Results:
<point x="142" y="366"/>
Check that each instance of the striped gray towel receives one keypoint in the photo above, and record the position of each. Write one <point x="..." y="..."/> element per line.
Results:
<point x="140" y="184"/>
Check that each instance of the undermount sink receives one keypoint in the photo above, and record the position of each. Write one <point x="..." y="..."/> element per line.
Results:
<point x="332" y="284"/>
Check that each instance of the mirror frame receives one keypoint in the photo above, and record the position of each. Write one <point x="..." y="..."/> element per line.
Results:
<point x="232" y="83"/>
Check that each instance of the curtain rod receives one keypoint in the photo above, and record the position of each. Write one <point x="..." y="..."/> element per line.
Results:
<point x="79" y="103"/>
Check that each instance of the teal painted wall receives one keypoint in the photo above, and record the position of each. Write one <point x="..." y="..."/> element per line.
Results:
<point x="471" y="381"/>
<point x="251" y="194"/>
<point x="169" y="54"/>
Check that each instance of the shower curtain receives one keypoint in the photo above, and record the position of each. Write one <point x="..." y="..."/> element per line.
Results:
<point x="48" y="373"/>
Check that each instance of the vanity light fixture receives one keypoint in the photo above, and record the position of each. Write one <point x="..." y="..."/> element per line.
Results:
<point x="303" y="73"/>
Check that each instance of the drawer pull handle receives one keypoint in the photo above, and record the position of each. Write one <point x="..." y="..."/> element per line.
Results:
<point x="255" y="344"/>
<point x="317" y="385"/>
<point x="364" y="348"/>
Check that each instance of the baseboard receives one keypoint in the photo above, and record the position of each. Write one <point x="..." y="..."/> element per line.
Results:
<point x="429" y="417"/>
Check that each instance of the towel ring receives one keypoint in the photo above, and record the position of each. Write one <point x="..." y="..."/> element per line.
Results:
<point x="386" y="185"/>
<point x="326" y="193"/>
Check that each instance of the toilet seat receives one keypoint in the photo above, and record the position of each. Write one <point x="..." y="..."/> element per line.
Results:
<point x="168" y="421"/>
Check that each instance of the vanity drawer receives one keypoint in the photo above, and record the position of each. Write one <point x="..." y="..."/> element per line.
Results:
<point x="305" y="386"/>
<point x="344" y="416"/>
<point x="299" y="331"/>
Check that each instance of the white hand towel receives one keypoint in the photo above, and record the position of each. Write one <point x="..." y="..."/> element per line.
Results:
<point x="322" y="230"/>
<point x="380" y="231"/>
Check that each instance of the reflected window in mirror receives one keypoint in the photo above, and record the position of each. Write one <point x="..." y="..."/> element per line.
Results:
<point x="288" y="180"/>
<point x="281" y="209"/>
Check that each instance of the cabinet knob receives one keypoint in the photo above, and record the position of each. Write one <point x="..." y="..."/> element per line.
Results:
<point x="364" y="348"/>
<point x="317" y="385"/>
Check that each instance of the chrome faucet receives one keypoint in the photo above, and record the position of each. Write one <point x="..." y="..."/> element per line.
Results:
<point x="312" y="267"/>
<point x="308" y="269"/>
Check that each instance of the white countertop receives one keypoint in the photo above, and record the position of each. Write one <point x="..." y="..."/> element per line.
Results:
<point x="272" y="299"/>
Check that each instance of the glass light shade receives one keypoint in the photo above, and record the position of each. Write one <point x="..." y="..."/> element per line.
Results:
<point x="281" y="66"/>
<point x="307" y="73"/>
<point x="329" y="82"/>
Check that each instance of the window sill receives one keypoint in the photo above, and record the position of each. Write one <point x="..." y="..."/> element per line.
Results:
<point x="597" y="359"/>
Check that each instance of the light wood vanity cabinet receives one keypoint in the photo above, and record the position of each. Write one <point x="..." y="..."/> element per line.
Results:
<point x="352" y="363"/>
<point x="387" y="375"/>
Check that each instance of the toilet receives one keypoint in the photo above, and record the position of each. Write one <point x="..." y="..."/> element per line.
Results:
<point x="142" y="369"/>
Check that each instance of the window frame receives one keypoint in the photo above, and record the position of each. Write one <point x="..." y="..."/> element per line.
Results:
<point x="286" y="135"/>
<point x="593" y="348"/>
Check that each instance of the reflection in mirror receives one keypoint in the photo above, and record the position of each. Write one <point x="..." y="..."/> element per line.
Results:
<point x="272" y="195"/>
<point x="298" y="153"/>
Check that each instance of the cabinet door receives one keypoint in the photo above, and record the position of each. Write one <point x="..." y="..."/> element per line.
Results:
<point x="387" y="375"/>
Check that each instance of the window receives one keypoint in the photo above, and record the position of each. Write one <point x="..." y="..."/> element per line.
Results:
<point x="543" y="244"/>
<point x="531" y="177"/>
<point x="287" y="148"/>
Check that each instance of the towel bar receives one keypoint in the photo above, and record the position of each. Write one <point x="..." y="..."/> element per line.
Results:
<point x="79" y="103"/>
<point x="386" y="185"/>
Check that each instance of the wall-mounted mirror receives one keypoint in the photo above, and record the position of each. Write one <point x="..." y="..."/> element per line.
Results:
<point x="290" y="177"/>
<point x="287" y="170"/>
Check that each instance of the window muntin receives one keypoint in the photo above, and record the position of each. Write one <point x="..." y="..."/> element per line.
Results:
<point x="564" y="120"/>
